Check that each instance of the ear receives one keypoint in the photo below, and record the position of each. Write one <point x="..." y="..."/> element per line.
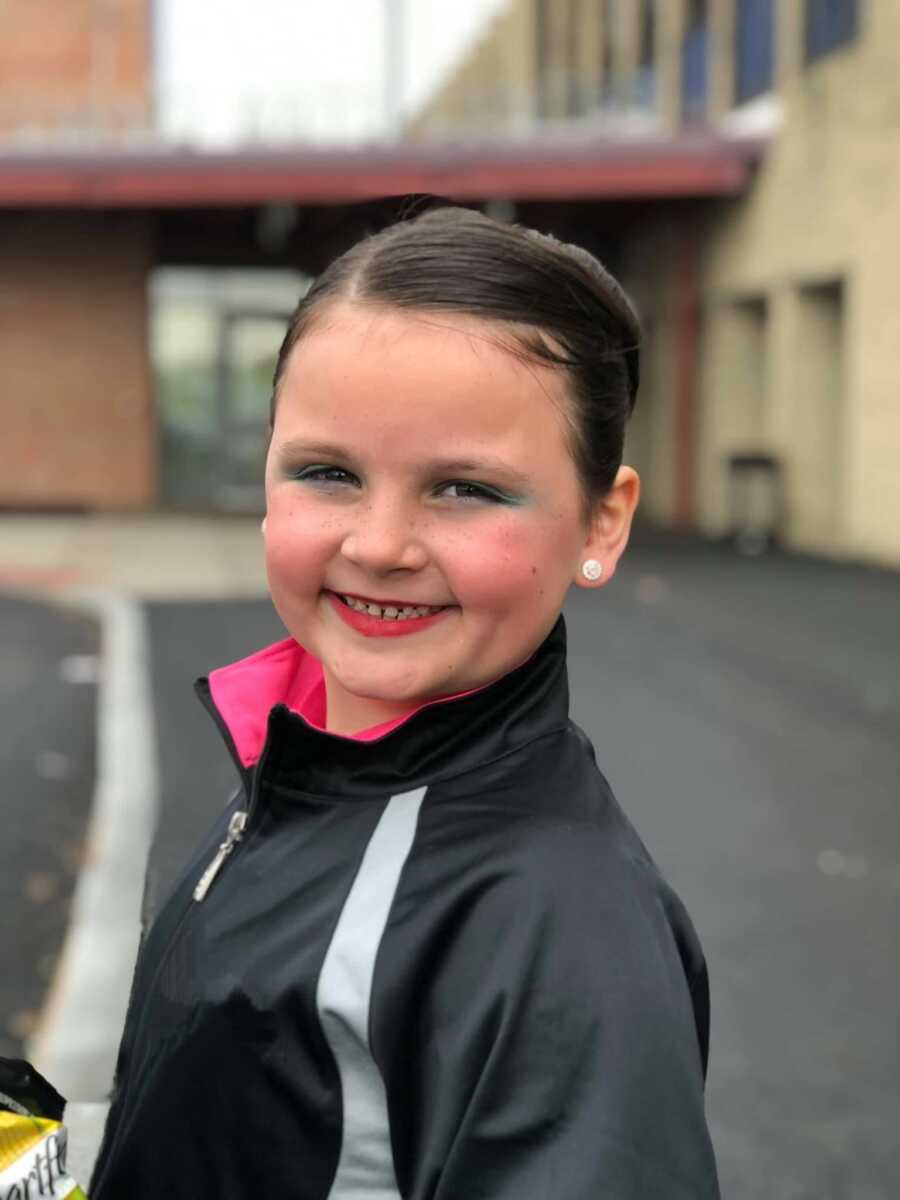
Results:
<point x="610" y="526"/>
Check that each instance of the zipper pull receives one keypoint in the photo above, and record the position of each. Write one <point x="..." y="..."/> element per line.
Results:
<point x="235" y="833"/>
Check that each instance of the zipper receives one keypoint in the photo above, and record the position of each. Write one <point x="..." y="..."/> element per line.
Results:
<point x="236" y="827"/>
<point x="234" y="834"/>
<point x="238" y="823"/>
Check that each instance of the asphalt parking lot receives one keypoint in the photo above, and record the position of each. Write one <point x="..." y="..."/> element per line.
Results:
<point x="747" y="713"/>
<point x="48" y="685"/>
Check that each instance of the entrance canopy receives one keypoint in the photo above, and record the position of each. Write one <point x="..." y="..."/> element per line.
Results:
<point x="181" y="418"/>
<point x="562" y="168"/>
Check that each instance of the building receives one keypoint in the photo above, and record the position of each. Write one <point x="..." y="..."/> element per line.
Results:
<point x="144" y="283"/>
<point x="730" y="160"/>
<point x="76" y="69"/>
<point x="78" y="419"/>
<point x="772" y="316"/>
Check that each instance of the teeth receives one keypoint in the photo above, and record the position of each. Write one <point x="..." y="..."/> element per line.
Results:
<point x="390" y="612"/>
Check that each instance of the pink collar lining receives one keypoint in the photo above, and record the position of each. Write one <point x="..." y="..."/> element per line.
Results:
<point x="245" y="692"/>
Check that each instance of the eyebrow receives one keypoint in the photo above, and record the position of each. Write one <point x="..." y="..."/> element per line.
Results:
<point x="297" y="446"/>
<point x="478" y="466"/>
<point x="436" y="466"/>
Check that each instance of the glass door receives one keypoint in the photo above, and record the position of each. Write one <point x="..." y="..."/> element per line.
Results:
<point x="248" y="348"/>
<point x="214" y="339"/>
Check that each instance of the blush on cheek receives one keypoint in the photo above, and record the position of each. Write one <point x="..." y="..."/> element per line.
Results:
<point x="288" y="569"/>
<point x="277" y="555"/>
<point x="294" y="533"/>
<point x="499" y="578"/>
<point x="522" y="573"/>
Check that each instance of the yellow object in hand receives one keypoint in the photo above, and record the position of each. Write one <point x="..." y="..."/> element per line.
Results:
<point x="33" y="1159"/>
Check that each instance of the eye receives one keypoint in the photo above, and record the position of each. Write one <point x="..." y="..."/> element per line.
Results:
<point x="321" y="474"/>
<point x="462" y="489"/>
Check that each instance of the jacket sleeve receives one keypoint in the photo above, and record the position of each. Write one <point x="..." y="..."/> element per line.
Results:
<point x="556" y="1040"/>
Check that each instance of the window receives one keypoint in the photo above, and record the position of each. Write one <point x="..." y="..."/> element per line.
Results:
<point x="542" y="64"/>
<point x="830" y="24"/>
<point x="214" y="338"/>
<point x="648" y="33"/>
<point x="694" y="55"/>
<point x="575" y="98"/>
<point x="753" y="48"/>
<point x="645" y="81"/>
<point x="817" y="412"/>
<point x="608" y="62"/>
<point x="749" y="351"/>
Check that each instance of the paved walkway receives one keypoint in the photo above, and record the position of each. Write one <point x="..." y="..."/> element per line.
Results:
<point x="146" y="554"/>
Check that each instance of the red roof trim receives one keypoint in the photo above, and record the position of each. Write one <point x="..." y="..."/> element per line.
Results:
<point x="563" y="170"/>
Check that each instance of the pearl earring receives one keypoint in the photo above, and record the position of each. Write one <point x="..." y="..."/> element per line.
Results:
<point x="262" y="525"/>
<point x="591" y="569"/>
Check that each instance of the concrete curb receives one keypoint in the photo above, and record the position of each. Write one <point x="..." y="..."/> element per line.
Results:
<point x="76" y="1043"/>
<point x="84" y="1129"/>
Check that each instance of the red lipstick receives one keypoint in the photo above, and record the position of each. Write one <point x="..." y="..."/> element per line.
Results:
<point x="370" y="626"/>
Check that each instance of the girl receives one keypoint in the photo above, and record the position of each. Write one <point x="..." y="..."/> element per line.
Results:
<point x="423" y="954"/>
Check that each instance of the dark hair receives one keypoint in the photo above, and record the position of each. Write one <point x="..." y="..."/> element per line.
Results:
<point x="555" y="302"/>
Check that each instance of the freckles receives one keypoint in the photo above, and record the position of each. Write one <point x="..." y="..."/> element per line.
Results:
<point x="539" y="590"/>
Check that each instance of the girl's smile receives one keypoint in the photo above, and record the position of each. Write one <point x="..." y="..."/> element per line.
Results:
<point x="386" y="618"/>
<point x="424" y="515"/>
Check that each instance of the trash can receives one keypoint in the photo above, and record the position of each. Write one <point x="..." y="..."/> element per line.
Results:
<point x="754" y="484"/>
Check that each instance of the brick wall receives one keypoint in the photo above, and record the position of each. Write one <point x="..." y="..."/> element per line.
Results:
<point x="76" y="407"/>
<point x="74" y="66"/>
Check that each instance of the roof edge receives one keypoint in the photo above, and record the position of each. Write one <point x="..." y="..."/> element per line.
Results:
<point x="561" y="167"/>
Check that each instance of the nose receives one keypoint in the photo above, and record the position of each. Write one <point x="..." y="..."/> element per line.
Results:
<point x="383" y="537"/>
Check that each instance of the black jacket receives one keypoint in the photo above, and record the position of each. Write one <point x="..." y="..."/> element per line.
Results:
<point x="438" y="965"/>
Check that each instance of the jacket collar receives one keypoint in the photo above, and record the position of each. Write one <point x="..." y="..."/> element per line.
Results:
<point x="439" y="740"/>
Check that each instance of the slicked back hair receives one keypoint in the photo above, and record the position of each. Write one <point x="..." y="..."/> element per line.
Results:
<point x="552" y="303"/>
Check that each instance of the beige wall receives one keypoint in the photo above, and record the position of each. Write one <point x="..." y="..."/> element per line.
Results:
<point x="79" y="429"/>
<point x="818" y="237"/>
<point x="800" y="293"/>
<point x="493" y="87"/>
<point x="799" y="279"/>
<point x="496" y="86"/>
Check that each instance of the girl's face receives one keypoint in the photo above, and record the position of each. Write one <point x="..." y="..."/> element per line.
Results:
<point x="416" y="465"/>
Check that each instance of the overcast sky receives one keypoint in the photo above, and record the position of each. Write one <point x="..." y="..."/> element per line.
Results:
<point x="230" y="68"/>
